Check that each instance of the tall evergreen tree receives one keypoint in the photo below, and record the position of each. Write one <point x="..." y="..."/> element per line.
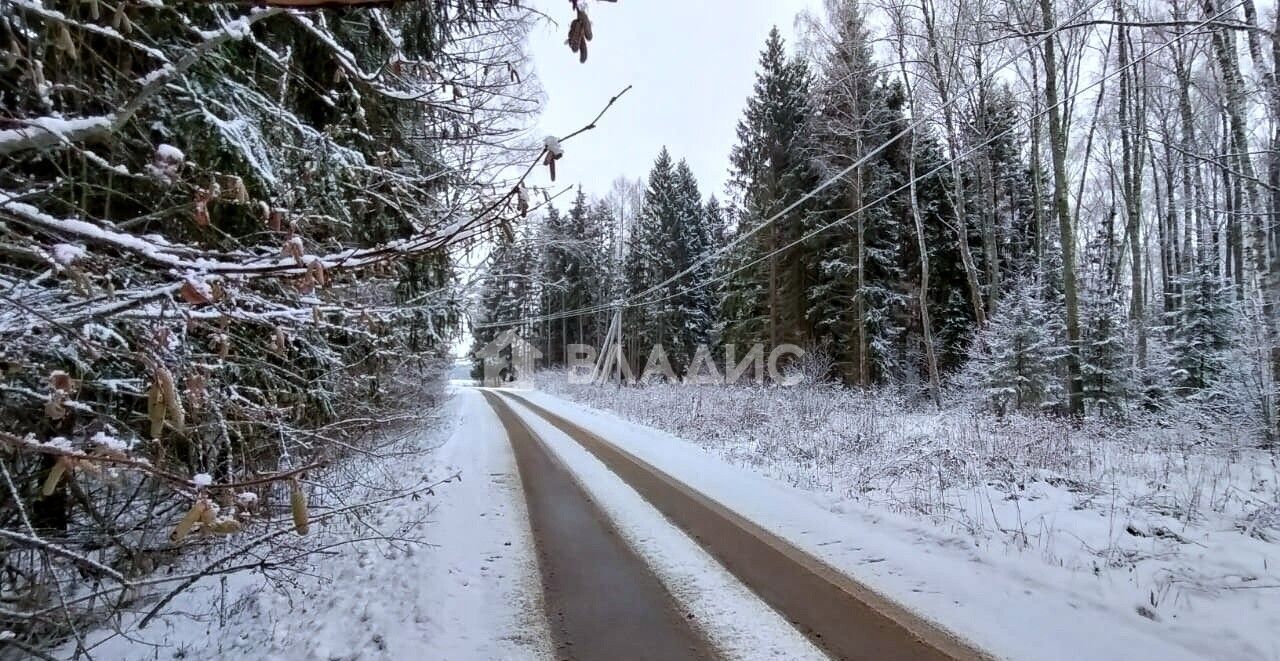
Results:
<point x="765" y="300"/>
<point x="694" y="239"/>
<point x="508" y="292"/>
<point x="573" y="275"/>
<point x="717" y="222"/>
<point x="670" y="236"/>
<point x="552" y="283"/>
<point x="608" y="277"/>
<point x="856" y="303"/>
<point x="1202" y="333"/>
<point x="1104" y="352"/>
<point x="647" y="249"/>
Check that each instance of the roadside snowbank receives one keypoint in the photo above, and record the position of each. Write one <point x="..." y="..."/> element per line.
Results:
<point x="458" y="582"/>
<point x="1034" y="539"/>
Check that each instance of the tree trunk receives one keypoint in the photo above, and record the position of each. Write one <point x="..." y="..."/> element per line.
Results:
<point x="959" y="202"/>
<point x="1131" y="187"/>
<point x="1170" y="254"/>
<point x="1037" y="176"/>
<point x="1271" y="293"/>
<point x="926" y="324"/>
<point x="1058" y="149"/>
<point x="860" y="301"/>
<point x="1194" y="199"/>
<point x="988" y="192"/>
<point x="1249" y="228"/>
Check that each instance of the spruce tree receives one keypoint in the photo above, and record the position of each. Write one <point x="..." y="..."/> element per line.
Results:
<point x="856" y="303"/>
<point x="647" y="250"/>
<point x="1201" y="334"/>
<point x="716" y="221"/>
<point x="553" y="282"/>
<point x="1018" y="366"/>
<point x="606" y="276"/>
<point x="765" y="300"/>
<point x="573" y="275"/>
<point x="508" y="292"/>
<point x="670" y="236"/>
<point x="1104" y="354"/>
<point x="694" y="239"/>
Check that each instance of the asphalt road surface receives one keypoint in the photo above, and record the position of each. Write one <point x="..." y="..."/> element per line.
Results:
<point x="604" y="603"/>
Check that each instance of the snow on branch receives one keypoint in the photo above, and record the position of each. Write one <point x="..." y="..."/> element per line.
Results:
<point x="110" y="33"/>
<point x="44" y="132"/>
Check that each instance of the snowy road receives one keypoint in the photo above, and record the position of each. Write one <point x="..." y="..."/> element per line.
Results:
<point x="602" y="601"/>
<point x="573" y="526"/>
<point x="1008" y="606"/>
<point x="581" y="563"/>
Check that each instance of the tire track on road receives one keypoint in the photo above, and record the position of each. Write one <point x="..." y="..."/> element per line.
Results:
<point x="602" y="600"/>
<point x="843" y="617"/>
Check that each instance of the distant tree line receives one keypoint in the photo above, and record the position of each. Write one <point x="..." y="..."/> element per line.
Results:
<point x="1083" y="224"/>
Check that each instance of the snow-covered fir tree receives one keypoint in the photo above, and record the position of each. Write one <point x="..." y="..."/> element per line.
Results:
<point x="1019" y="364"/>
<point x="670" y="237"/>
<point x="573" y="276"/>
<point x="1105" y="356"/>
<point x="1202" y="333"/>
<point x="763" y="299"/>
<point x="509" y="290"/>
<point x="855" y="298"/>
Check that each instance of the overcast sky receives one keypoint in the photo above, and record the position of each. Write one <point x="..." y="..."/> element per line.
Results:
<point x="692" y="64"/>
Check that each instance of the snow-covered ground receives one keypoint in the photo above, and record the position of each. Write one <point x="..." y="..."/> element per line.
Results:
<point x="461" y="585"/>
<point x="1031" y="538"/>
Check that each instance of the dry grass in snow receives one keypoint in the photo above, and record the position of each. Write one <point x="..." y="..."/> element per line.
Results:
<point x="1172" y="517"/>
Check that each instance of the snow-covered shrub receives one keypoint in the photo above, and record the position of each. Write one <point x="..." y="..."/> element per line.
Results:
<point x="1209" y="366"/>
<point x="1017" y="359"/>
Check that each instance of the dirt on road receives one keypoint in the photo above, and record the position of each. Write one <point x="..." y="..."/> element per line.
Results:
<point x="844" y="618"/>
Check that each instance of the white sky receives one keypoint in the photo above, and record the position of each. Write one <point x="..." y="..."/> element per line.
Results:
<point x="692" y="64"/>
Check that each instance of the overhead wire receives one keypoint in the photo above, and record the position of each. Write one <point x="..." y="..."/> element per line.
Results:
<point x="947" y="163"/>
<point x="630" y="302"/>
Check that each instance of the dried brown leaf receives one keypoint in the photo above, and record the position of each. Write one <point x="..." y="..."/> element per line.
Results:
<point x="194" y="294"/>
<point x="193" y="515"/>
<point x="298" y="507"/>
<point x="172" y="401"/>
<point x="155" y="410"/>
<point x="55" y="476"/>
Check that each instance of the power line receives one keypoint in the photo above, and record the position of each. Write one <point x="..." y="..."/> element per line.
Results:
<point x="716" y="254"/>
<point x="929" y="173"/>
<point x="630" y="301"/>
